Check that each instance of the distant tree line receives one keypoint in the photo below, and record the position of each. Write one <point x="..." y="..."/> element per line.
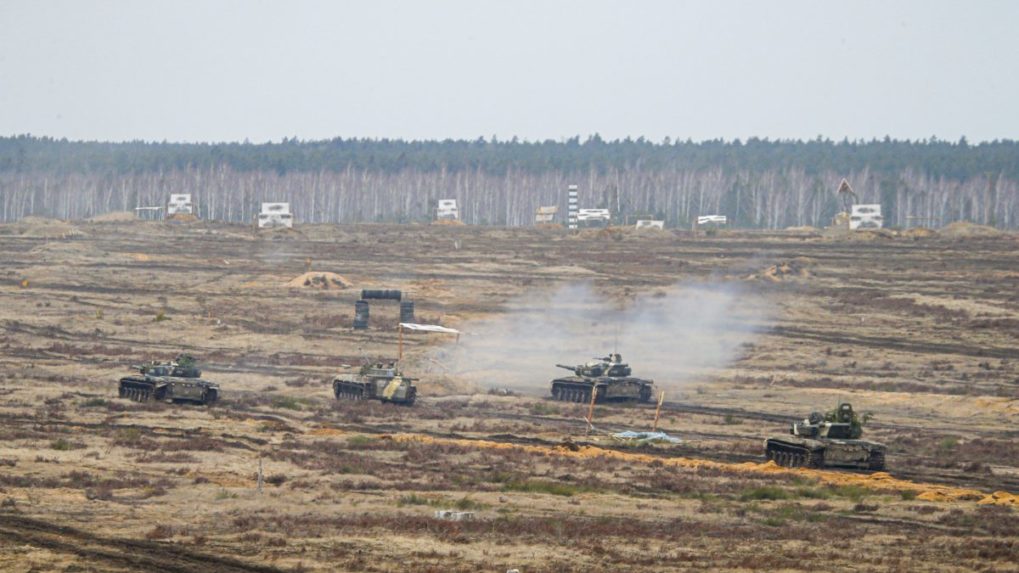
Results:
<point x="758" y="183"/>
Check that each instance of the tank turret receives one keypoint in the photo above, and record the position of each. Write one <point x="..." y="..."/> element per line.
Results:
<point x="611" y="365"/>
<point x="183" y="366"/>
<point x="841" y="423"/>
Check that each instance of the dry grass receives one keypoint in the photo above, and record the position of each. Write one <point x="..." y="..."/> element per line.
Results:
<point x="910" y="330"/>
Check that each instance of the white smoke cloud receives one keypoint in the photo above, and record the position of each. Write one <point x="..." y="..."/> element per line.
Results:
<point x="676" y="335"/>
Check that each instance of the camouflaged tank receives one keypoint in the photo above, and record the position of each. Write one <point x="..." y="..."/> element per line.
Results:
<point x="831" y="440"/>
<point x="609" y="377"/>
<point x="179" y="381"/>
<point x="383" y="382"/>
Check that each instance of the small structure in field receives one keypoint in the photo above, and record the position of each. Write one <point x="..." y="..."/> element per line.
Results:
<point x="545" y="215"/>
<point x="148" y="213"/>
<point x="866" y="217"/>
<point x="572" y="206"/>
<point x="275" y="215"/>
<point x="590" y="217"/>
<point x="180" y="207"/>
<point x="650" y="224"/>
<point x="447" y="210"/>
<point x="712" y="219"/>
<point x="449" y="515"/>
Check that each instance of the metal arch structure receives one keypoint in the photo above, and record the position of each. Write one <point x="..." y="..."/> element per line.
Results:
<point x="847" y="196"/>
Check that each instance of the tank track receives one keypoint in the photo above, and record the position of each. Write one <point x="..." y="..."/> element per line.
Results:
<point x="645" y="395"/>
<point x="581" y="393"/>
<point x="572" y="393"/>
<point x="208" y="397"/>
<point x="412" y="394"/>
<point x="791" y="456"/>
<point x="137" y="390"/>
<point x="877" y="461"/>
<point x="348" y="391"/>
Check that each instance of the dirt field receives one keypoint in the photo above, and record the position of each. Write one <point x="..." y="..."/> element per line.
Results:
<point x="922" y="331"/>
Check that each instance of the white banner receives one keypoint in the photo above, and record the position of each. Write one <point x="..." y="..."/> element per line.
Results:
<point x="703" y="219"/>
<point x="428" y="328"/>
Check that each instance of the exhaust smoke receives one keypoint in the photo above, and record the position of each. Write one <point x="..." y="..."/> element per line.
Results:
<point x="676" y="336"/>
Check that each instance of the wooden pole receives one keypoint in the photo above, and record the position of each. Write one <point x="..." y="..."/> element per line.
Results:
<point x="590" y="409"/>
<point x="259" y="474"/>
<point x="658" y="411"/>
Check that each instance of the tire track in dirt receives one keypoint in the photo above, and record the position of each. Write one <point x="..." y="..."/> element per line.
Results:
<point x="887" y="342"/>
<point x="130" y="554"/>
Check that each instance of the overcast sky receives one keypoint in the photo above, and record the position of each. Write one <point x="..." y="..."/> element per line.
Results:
<point x="233" y="70"/>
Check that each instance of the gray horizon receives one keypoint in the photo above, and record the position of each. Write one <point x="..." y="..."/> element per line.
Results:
<point x="231" y="71"/>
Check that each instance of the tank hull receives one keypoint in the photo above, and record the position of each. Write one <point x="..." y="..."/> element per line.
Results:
<point x="395" y="392"/>
<point x="796" y="451"/>
<point x="141" y="389"/>
<point x="609" y="389"/>
<point x="178" y="391"/>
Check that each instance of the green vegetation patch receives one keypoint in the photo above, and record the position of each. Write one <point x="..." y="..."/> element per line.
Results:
<point x="60" y="444"/>
<point x="545" y="487"/>
<point x="286" y="403"/>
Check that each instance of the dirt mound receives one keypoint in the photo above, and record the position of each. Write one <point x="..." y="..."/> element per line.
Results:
<point x="803" y="230"/>
<point x="919" y="233"/>
<point x="322" y="280"/>
<point x="181" y="218"/>
<point x="967" y="230"/>
<point x="871" y="234"/>
<point x="280" y="234"/>
<point x="49" y="251"/>
<point x="836" y="232"/>
<point x="430" y="288"/>
<point x="114" y="217"/>
<point x="603" y="233"/>
<point x="1000" y="498"/>
<point x="783" y="271"/>
<point x="43" y="227"/>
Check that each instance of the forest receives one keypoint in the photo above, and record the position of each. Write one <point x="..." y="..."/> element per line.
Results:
<point x="757" y="183"/>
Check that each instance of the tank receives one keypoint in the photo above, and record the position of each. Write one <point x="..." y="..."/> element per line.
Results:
<point x="609" y="377"/>
<point x="379" y="381"/>
<point x="179" y="381"/>
<point x="826" y="440"/>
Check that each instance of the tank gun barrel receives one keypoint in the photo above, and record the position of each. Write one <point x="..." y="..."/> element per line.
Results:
<point x="570" y="368"/>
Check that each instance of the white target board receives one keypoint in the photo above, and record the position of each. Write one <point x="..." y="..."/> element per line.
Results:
<point x="593" y="215"/>
<point x="866" y="217"/>
<point x="716" y="219"/>
<point x="447" y="210"/>
<point x="545" y="214"/>
<point x="650" y="224"/>
<point x="275" y="215"/>
<point x="180" y="203"/>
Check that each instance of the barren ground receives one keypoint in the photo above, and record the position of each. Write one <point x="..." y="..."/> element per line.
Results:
<point x="922" y="332"/>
